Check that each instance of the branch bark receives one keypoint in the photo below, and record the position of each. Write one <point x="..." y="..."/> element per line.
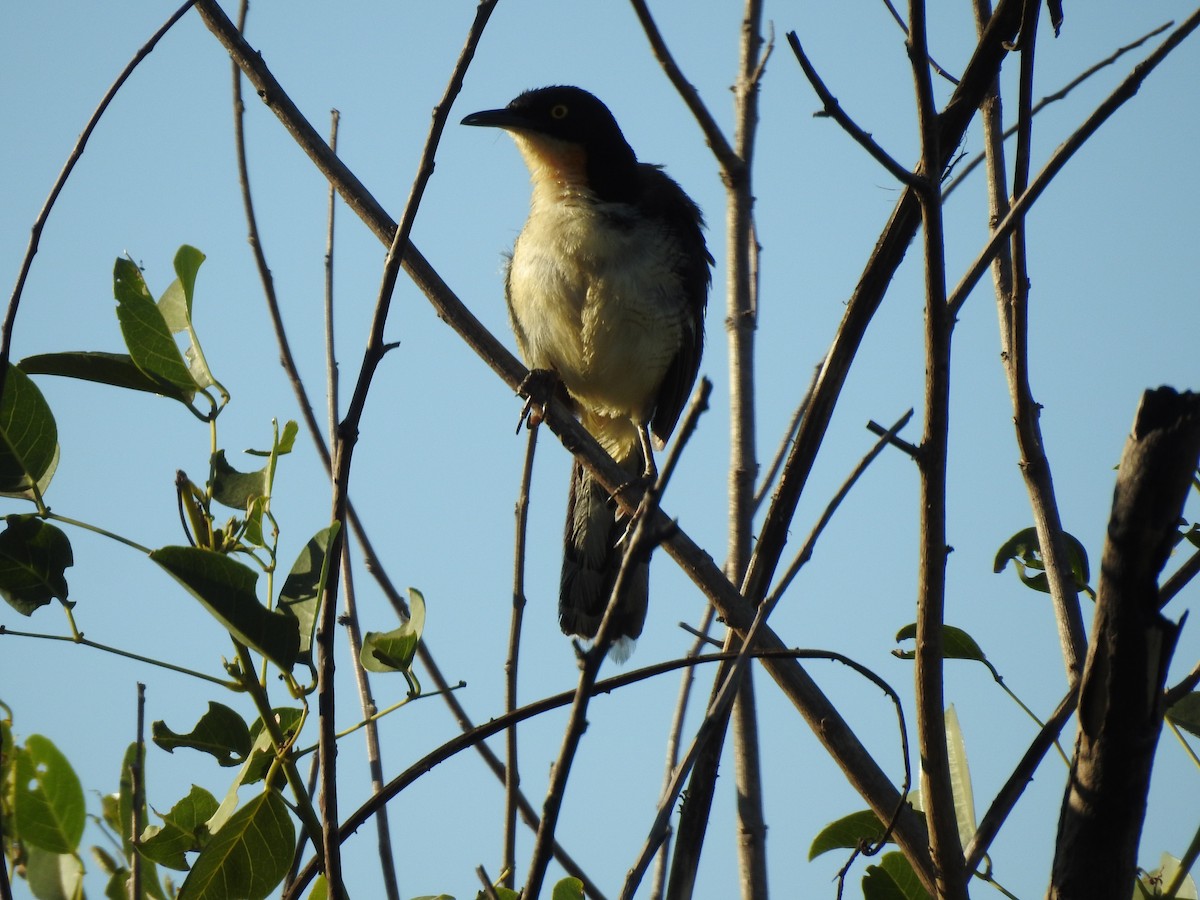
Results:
<point x="1121" y="699"/>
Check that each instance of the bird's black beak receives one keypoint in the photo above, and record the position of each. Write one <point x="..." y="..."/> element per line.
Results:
<point x="495" y="118"/>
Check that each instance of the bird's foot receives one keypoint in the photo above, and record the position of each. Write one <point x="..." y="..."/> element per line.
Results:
<point x="537" y="388"/>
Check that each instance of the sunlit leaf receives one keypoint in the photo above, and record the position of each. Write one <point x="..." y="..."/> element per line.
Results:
<point x="956" y="643"/>
<point x="50" y="813"/>
<point x="183" y="830"/>
<point x="226" y="588"/>
<point x="960" y="777"/>
<point x="893" y="879"/>
<point x="393" y="651"/>
<point x="248" y="857"/>
<point x="116" y="369"/>
<point x="54" y="876"/>
<point x="1152" y="884"/>
<point x="34" y="557"/>
<point x="146" y="334"/>
<point x="221" y="733"/>
<point x="28" y="437"/>
<point x="568" y="889"/>
<point x="847" y="833"/>
<point x="301" y="592"/>
<point x="236" y="489"/>
<point x="1185" y="712"/>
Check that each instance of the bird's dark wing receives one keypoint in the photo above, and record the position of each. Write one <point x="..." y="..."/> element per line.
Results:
<point x="665" y="200"/>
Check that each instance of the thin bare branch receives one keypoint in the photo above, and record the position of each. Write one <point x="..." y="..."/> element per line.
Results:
<point x="833" y="109"/>
<point x="512" y="774"/>
<point x="35" y="236"/>
<point x="822" y="716"/>
<point x="781" y="453"/>
<point x="899" y="20"/>
<point x="1053" y="97"/>
<point x="721" y="148"/>
<point x="1063" y="153"/>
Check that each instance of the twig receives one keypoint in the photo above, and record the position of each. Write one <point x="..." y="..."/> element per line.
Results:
<point x="937" y="792"/>
<point x="728" y="159"/>
<point x="788" y="435"/>
<point x="1183" y="688"/>
<point x="1053" y="97"/>
<point x="1179" y="579"/>
<point x="331" y="364"/>
<point x="674" y="735"/>
<point x="1008" y="795"/>
<point x="904" y="27"/>
<point x="137" y="780"/>
<point x="512" y="774"/>
<point x="14" y="301"/>
<point x="912" y="451"/>
<point x="822" y="716"/>
<point x="489" y="890"/>
<point x="806" y="550"/>
<point x="1125" y="91"/>
<point x="638" y="547"/>
<point x="833" y="109"/>
<point x="714" y="718"/>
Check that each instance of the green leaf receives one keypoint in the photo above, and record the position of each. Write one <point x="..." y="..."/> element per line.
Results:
<point x="301" y="593"/>
<point x="237" y="489"/>
<point x="116" y="369"/>
<point x="1185" y="712"/>
<point x="34" y="558"/>
<point x="956" y="644"/>
<point x="176" y="307"/>
<point x="960" y="778"/>
<point x="1025" y="552"/>
<point x="54" y="876"/>
<point x="146" y="333"/>
<point x="248" y="857"/>
<point x="221" y="733"/>
<point x="28" y="438"/>
<point x="847" y="833"/>
<point x="287" y="441"/>
<point x="893" y="879"/>
<point x="393" y="651"/>
<point x="288" y="719"/>
<point x="226" y="588"/>
<point x="568" y="889"/>
<point x="183" y="830"/>
<point x="49" y="800"/>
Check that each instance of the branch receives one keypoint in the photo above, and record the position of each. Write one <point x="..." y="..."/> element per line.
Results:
<point x="1121" y="699"/>
<point x="822" y="716"/>
<point x="833" y="109"/>
<point x="35" y="237"/>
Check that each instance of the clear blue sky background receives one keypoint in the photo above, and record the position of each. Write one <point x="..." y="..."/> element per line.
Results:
<point x="1115" y="309"/>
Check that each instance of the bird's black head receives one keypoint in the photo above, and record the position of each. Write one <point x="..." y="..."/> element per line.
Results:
<point x="572" y="116"/>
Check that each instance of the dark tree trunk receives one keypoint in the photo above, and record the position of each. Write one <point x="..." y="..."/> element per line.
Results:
<point x="1121" y="697"/>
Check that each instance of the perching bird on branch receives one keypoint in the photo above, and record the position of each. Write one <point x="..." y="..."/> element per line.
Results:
<point x="606" y="288"/>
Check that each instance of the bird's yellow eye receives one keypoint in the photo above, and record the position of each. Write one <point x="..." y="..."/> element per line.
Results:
<point x="559" y="111"/>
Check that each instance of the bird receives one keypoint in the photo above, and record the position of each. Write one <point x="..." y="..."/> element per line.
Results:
<point x="606" y="287"/>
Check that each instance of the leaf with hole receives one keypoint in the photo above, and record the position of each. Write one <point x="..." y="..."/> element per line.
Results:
<point x="1025" y="552"/>
<point x="48" y="797"/>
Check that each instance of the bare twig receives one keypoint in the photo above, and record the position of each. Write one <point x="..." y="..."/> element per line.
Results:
<point x="489" y="891"/>
<point x="833" y="109"/>
<point x="137" y="779"/>
<point x="904" y="27"/>
<point x="967" y="168"/>
<point x="1179" y="578"/>
<point x="822" y="716"/>
<point x="1008" y="795"/>
<point x="638" y="546"/>
<point x="331" y="364"/>
<point x="512" y="774"/>
<point x="936" y="788"/>
<point x="1124" y="92"/>
<point x="35" y="237"/>
<point x="781" y="452"/>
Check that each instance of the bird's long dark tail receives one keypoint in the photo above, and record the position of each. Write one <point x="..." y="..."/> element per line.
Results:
<point x="592" y="554"/>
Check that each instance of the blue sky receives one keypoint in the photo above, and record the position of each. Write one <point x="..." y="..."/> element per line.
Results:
<point x="1115" y="310"/>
